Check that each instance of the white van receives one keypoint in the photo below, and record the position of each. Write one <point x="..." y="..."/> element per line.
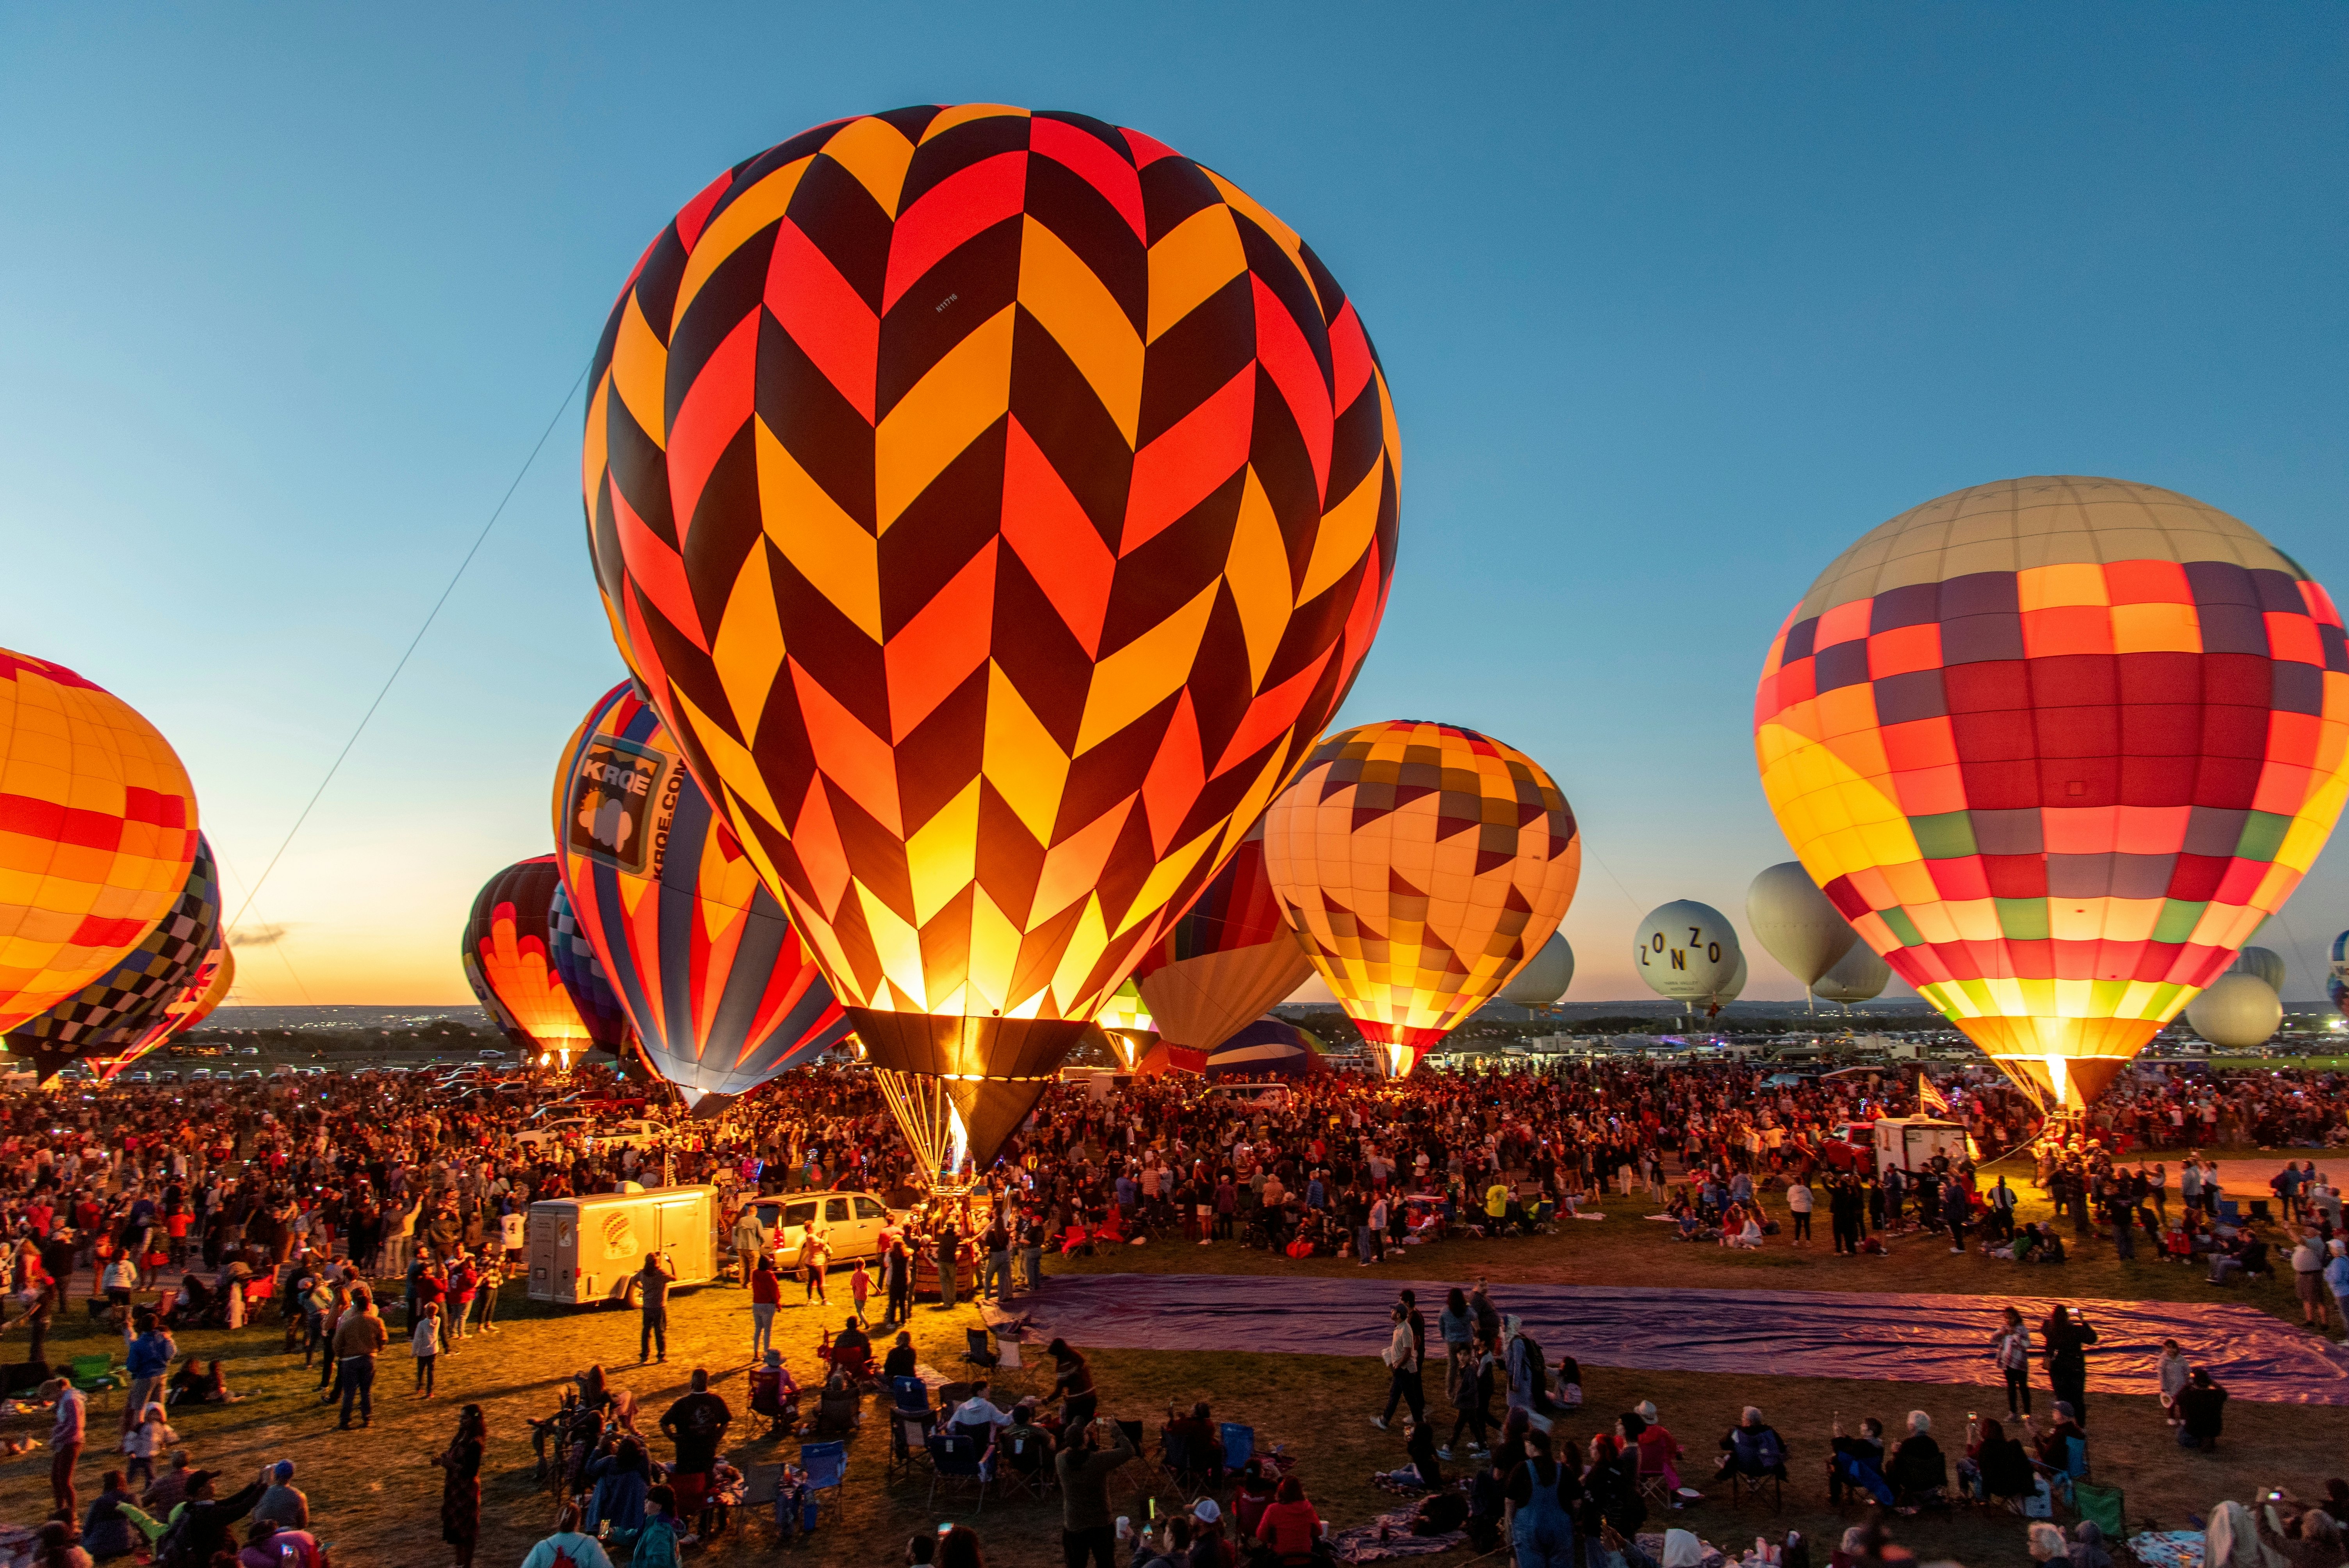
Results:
<point x="851" y="1222"/>
<point x="583" y="1250"/>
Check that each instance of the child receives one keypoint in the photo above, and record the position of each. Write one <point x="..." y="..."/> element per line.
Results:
<point x="860" y="1285"/>
<point x="143" y="1442"/>
<point x="426" y="1345"/>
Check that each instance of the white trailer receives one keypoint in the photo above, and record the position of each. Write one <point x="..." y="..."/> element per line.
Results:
<point x="1909" y="1143"/>
<point x="588" y="1250"/>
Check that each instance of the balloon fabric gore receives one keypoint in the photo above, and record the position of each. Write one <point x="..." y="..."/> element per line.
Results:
<point x="2055" y="747"/>
<point x="995" y="506"/>
<point x="509" y="959"/>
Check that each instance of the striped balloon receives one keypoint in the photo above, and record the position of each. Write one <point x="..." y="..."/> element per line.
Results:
<point x="206" y="989"/>
<point x="582" y="975"/>
<point x="1229" y="958"/>
<point x="510" y="959"/>
<point x="2055" y="747"/>
<point x="721" y="991"/>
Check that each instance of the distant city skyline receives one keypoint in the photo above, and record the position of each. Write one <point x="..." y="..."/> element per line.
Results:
<point x="1675" y="306"/>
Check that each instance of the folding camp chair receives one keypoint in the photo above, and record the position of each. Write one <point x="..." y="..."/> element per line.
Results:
<point x="1239" y="1445"/>
<point x="96" y="1376"/>
<point x="976" y="1350"/>
<point x="2101" y="1504"/>
<point x="909" y="1437"/>
<point x="1743" y="1484"/>
<point x="909" y="1393"/>
<point x="958" y="1463"/>
<point x="1185" y="1470"/>
<point x="1652" y="1483"/>
<point x="827" y="1467"/>
<point x="1023" y="1462"/>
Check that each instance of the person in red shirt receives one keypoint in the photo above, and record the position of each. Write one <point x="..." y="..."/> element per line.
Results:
<point x="766" y="1295"/>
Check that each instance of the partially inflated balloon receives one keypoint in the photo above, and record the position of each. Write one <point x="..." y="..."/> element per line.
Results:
<point x="1267" y="1049"/>
<point x="1859" y="976"/>
<point x="1544" y="977"/>
<point x="1229" y="958"/>
<point x="113" y="1011"/>
<point x="97" y="832"/>
<point x="1422" y="865"/>
<point x="2336" y="982"/>
<point x="2057" y="747"/>
<point x="722" y="993"/>
<point x="1795" y="924"/>
<point x="995" y="505"/>
<point x="510" y="961"/>
<point x="584" y="976"/>
<point x="206" y="989"/>
<point x="2236" y="1012"/>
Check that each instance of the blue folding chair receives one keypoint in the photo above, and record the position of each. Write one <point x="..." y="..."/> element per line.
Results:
<point x="909" y="1393"/>
<point x="959" y="1462"/>
<point x="1239" y="1445"/>
<point x="827" y="1467"/>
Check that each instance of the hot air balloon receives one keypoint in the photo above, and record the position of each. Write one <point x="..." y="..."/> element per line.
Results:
<point x="98" y="832"/>
<point x="510" y="961"/>
<point x="1795" y="924"/>
<point x="206" y="989"/>
<point x="1268" y="1048"/>
<point x="1127" y="1026"/>
<point x="2055" y="747"/>
<point x="1859" y="976"/>
<point x="584" y="978"/>
<point x="1226" y="960"/>
<point x="1422" y="865"/>
<point x="2236" y="1012"/>
<point x="995" y="506"/>
<point x="1733" y="987"/>
<point x="722" y="992"/>
<point x="1544" y="977"/>
<point x="2336" y="984"/>
<point x="1687" y="951"/>
<point x="2264" y="961"/>
<point x="113" y="1011"/>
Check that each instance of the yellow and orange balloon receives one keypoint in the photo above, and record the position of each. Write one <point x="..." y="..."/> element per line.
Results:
<point x="1424" y="865"/>
<point x="2055" y="747"/>
<point x="98" y="833"/>
<point x="995" y="505"/>
<point x="509" y="959"/>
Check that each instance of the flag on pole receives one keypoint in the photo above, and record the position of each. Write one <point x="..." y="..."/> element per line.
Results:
<point x="1927" y="1096"/>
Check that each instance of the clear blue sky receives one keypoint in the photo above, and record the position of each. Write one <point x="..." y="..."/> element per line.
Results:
<point x="1676" y="301"/>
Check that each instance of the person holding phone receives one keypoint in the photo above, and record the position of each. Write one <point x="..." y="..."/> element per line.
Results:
<point x="1087" y="1460"/>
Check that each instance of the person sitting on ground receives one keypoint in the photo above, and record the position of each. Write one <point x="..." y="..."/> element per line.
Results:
<point x="1857" y="1463"/>
<point x="208" y="1519"/>
<point x="658" y="1543"/>
<point x="284" y="1501"/>
<point x="269" y="1544"/>
<point x="1917" y="1467"/>
<point x="2248" y="1257"/>
<point x="2046" y="1544"/>
<point x="1752" y="1449"/>
<point x="198" y="1384"/>
<point x="1424" y="1473"/>
<point x="107" y="1530"/>
<point x="620" y="1474"/>
<point x="1290" y="1527"/>
<point x="1740" y="1229"/>
<point x="2200" y="1408"/>
<point x="2089" y="1548"/>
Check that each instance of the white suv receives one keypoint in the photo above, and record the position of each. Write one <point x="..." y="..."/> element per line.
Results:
<point x="851" y="1221"/>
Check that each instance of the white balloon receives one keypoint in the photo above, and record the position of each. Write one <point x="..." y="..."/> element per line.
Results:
<point x="2264" y="961"/>
<point x="1859" y="976"/>
<point x="1735" y="984"/>
<point x="1794" y="924"/>
<point x="2237" y="1012"/>
<point x="1686" y="951"/>
<point x="1544" y="978"/>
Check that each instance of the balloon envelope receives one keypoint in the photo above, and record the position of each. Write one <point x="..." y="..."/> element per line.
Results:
<point x="1269" y="1048"/>
<point x="206" y="989"/>
<point x="2336" y="982"/>
<point x="2235" y="1012"/>
<point x="1795" y="922"/>
<point x="1544" y="977"/>
<point x="2264" y="961"/>
<point x="722" y="992"/>
<point x="1229" y="957"/>
<point x="995" y="506"/>
<point x="1686" y="951"/>
<point x="2055" y="747"/>
<point x="98" y="832"/>
<point x="1859" y="976"/>
<point x="584" y="976"/>
<point x="113" y="1011"/>
<point x="510" y="959"/>
<point x="1734" y="986"/>
<point x="1422" y="864"/>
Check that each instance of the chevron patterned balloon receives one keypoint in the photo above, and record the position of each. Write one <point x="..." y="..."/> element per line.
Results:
<point x="509" y="960"/>
<point x="995" y="506"/>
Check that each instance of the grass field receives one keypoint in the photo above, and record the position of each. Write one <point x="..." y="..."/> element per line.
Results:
<point x="376" y="1495"/>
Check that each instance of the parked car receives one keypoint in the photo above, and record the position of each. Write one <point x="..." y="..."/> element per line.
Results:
<point x="629" y="1132"/>
<point x="851" y="1221"/>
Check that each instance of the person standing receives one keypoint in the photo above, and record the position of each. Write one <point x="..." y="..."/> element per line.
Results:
<point x="749" y="1240"/>
<point x="1084" y="1465"/>
<point x="766" y="1296"/>
<point x="948" y="1243"/>
<point x="359" y="1338"/>
<point x="898" y="1279"/>
<point x="2011" y="1349"/>
<point x="1031" y="1250"/>
<point x="2308" y="1260"/>
<point x="1957" y="1208"/>
<point x="998" y="1281"/>
<point x="147" y="1361"/>
<point x="1798" y="1204"/>
<point x="2336" y="1277"/>
<point x="491" y="1280"/>
<point x="424" y="1344"/>
<point x="653" y="1281"/>
<point x="1402" y="1357"/>
<point x="2065" y="1337"/>
<point x="67" y="1433"/>
<point x="815" y="1262"/>
<point x="696" y="1424"/>
<point x="461" y="1484"/>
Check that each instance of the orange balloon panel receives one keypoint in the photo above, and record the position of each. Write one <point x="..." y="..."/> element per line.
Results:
<point x="2055" y="747"/>
<point x="1424" y="865"/>
<point x="509" y="960"/>
<point x="97" y="832"/>
<point x="995" y="506"/>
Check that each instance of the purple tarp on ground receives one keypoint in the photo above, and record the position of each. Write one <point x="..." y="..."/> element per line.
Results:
<point x="1800" y="1334"/>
